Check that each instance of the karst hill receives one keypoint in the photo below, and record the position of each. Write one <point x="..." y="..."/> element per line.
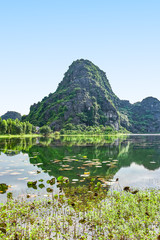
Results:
<point x="85" y="96"/>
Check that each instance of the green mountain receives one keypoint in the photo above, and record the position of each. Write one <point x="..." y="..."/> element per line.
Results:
<point x="85" y="97"/>
<point x="144" y="117"/>
<point x="12" y="115"/>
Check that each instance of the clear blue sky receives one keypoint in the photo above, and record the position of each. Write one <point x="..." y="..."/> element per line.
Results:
<point x="39" y="39"/>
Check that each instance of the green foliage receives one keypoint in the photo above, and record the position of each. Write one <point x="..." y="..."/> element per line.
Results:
<point x="141" y="117"/>
<point x="108" y="129"/>
<point x="80" y="214"/>
<point x="28" y="127"/>
<point x="82" y="129"/>
<point x="45" y="130"/>
<point x="11" y="115"/>
<point x="14" y="127"/>
<point x="3" y="127"/>
<point x="17" y="128"/>
<point x="69" y="126"/>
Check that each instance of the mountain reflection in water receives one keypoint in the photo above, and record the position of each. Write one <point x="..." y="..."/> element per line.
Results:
<point x="134" y="159"/>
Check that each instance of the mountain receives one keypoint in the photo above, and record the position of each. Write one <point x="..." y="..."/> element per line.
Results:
<point x="144" y="116"/>
<point x="85" y="97"/>
<point x="12" y="115"/>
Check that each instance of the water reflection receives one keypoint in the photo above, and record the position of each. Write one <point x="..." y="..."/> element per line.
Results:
<point x="135" y="160"/>
<point x="13" y="146"/>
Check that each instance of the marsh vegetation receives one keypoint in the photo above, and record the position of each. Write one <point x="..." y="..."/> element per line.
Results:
<point x="79" y="213"/>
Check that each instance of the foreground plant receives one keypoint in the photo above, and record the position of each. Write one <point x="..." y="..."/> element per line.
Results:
<point x="83" y="214"/>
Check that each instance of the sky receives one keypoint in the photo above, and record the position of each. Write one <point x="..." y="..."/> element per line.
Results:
<point x="40" y="39"/>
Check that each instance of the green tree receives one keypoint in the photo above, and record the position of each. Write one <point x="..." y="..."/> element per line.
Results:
<point x="9" y="126"/>
<point x="69" y="126"/>
<point x="17" y="127"/>
<point x="24" y="127"/>
<point x="108" y="129"/>
<point x="3" y="127"/>
<point x="45" y="130"/>
<point x="34" y="130"/>
<point x="28" y="127"/>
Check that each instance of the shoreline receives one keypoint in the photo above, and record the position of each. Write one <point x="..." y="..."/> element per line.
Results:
<point x="79" y="135"/>
<point x="21" y="136"/>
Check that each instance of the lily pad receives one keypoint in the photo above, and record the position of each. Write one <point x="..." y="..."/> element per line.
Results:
<point x="51" y="181"/>
<point x="49" y="190"/>
<point x="40" y="180"/>
<point x="31" y="184"/>
<point x="41" y="185"/>
<point x="3" y="188"/>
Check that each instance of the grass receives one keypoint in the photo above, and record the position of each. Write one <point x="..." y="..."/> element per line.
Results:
<point x="83" y="213"/>
<point x="20" y="136"/>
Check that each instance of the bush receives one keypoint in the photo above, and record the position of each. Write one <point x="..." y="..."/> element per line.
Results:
<point x="45" y="130"/>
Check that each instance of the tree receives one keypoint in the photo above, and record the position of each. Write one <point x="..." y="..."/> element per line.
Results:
<point x="108" y="129"/>
<point x="17" y="127"/>
<point x="28" y="127"/>
<point x="24" y="127"/>
<point x="69" y="126"/>
<point x="3" y="127"/>
<point x="9" y="126"/>
<point x="45" y="130"/>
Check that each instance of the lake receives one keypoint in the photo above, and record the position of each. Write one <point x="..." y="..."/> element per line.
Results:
<point x="132" y="160"/>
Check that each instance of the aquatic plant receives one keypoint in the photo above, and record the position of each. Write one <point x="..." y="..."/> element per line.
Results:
<point x="83" y="214"/>
<point x="3" y="188"/>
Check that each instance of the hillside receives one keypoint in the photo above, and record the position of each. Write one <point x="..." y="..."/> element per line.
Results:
<point x="144" y="116"/>
<point x="12" y="115"/>
<point x="85" y="97"/>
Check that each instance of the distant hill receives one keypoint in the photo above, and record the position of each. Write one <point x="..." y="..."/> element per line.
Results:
<point x="144" y="116"/>
<point x="12" y="115"/>
<point x="85" y="96"/>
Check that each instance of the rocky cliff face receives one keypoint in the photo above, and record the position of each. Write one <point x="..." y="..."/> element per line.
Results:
<point x="83" y="97"/>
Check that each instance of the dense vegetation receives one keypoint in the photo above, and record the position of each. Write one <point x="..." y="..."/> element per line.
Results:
<point x="81" y="129"/>
<point x="45" y="130"/>
<point x="15" y="127"/>
<point x="80" y="213"/>
<point x="11" y="115"/>
<point x="142" y="117"/>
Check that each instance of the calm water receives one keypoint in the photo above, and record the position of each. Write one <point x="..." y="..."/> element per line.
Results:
<point x="134" y="160"/>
